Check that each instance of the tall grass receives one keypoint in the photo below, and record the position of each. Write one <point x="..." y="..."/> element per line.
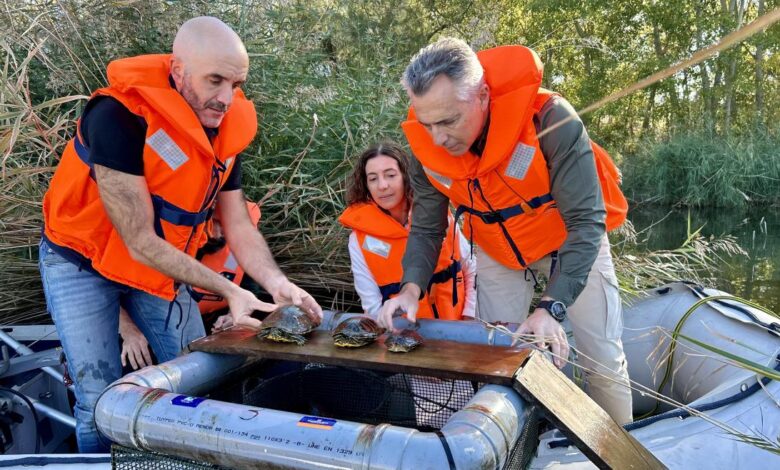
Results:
<point x="324" y="78"/>
<point x="322" y="94"/>
<point x="703" y="170"/>
<point x="320" y="99"/>
<point x="32" y="135"/>
<point x="694" y="260"/>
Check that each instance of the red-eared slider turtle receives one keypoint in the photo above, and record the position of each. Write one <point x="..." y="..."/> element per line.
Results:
<point x="287" y="324"/>
<point x="403" y="341"/>
<point x="356" y="331"/>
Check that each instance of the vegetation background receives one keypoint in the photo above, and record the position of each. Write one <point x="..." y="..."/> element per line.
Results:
<point x="324" y="76"/>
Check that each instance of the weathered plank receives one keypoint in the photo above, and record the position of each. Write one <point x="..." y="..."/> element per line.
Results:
<point x="443" y="359"/>
<point x="588" y="426"/>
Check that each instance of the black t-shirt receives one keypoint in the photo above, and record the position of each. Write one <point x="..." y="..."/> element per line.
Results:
<point x="115" y="138"/>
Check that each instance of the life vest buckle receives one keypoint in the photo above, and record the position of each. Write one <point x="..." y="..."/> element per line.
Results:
<point x="491" y="217"/>
<point x="527" y="209"/>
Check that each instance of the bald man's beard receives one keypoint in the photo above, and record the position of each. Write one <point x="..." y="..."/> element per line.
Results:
<point x="201" y="107"/>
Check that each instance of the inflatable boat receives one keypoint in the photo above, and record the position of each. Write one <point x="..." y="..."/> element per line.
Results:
<point x="235" y="411"/>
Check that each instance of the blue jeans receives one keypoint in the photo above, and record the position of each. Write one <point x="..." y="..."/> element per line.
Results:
<point x="85" y="310"/>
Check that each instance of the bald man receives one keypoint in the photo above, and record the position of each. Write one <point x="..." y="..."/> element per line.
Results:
<point x="155" y="152"/>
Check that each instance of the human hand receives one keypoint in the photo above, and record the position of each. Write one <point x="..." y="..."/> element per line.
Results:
<point x="407" y="301"/>
<point x="223" y="323"/>
<point x="242" y="303"/>
<point x="548" y="332"/>
<point x="285" y="292"/>
<point x="135" y="348"/>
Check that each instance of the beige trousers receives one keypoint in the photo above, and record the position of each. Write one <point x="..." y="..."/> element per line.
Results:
<point x="596" y="318"/>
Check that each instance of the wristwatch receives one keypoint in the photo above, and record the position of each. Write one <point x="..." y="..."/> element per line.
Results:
<point x="555" y="308"/>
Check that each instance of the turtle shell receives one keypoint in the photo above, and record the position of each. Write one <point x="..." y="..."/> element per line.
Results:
<point x="403" y="341"/>
<point x="356" y="331"/>
<point x="287" y="324"/>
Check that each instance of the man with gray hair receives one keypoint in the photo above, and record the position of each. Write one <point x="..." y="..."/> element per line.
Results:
<point x="537" y="197"/>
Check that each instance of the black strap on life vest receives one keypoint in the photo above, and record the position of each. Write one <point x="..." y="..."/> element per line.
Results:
<point x="500" y="216"/>
<point x="389" y="290"/>
<point x="553" y="262"/>
<point x="83" y="153"/>
<point x="163" y="209"/>
<point x="173" y="302"/>
<point x="199" y="296"/>
<point x="446" y="274"/>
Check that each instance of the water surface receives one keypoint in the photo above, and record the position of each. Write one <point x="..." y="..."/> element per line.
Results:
<point x="754" y="277"/>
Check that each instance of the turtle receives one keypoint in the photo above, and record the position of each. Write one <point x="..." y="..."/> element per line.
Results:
<point x="356" y="331"/>
<point x="287" y="324"/>
<point x="403" y="341"/>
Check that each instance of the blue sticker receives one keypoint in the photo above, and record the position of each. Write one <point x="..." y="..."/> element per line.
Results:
<point x="190" y="402"/>
<point x="316" y="422"/>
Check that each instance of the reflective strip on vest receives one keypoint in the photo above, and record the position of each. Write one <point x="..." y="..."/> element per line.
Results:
<point x="231" y="263"/>
<point x="167" y="149"/>
<point x="443" y="180"/>
<point x="376" y="246"/>
<point x="520" y="161"/>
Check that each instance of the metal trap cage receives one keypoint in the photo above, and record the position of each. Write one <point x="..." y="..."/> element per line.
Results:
<point x="241" y="402"/>
<point x="373" y="397"/>
<point x="362" y="395"/>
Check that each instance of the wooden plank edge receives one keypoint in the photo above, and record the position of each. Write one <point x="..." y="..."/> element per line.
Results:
<point x="645" y="459"/>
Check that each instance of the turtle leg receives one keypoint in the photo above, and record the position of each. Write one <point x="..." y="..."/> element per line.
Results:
<point x="300" y="340"/>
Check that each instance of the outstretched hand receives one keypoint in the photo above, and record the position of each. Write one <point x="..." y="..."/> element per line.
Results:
<point x="406" y="302"/>
<point x="242" y="303"/>
<point x="223" y="323"/>
<point x="549" y="333"/>
<point x="287" y="293"/>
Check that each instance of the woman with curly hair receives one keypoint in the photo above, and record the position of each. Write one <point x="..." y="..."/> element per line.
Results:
<point x="379" y="201"/>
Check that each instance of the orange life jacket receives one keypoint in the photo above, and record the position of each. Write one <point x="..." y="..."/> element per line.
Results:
<point x="505" y="193"/>
<point x="383" y="242"/>
<point x="183" y="171"/>
<point x="223" y="262"/>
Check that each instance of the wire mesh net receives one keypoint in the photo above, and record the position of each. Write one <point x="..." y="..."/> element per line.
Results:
<point x="525" y="447"/>
<point x="365" y="396"/>
<point x="125" y="458"/>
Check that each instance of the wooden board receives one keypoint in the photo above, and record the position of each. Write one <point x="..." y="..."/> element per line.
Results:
<point x="588" y="426"/>
<point x="443" y="359"/>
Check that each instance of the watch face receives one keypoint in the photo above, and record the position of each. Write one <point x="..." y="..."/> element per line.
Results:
<point x="558" y="310"/>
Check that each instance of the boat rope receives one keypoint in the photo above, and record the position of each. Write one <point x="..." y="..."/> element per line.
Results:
<point x="676" y="332"/>
<point x="735" y="37"/>
<point x="683" y="413"/>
